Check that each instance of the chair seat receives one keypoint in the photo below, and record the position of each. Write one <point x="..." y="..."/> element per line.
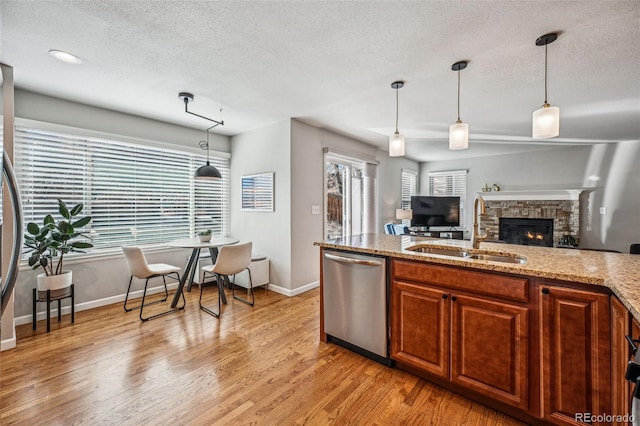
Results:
<point x="163" y="268"/>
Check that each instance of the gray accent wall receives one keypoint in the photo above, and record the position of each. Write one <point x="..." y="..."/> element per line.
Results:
<point x="609" y="173"/>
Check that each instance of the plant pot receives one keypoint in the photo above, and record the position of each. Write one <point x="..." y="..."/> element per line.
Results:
<point x="204" y="238"/>
<point x="54" y="282"/>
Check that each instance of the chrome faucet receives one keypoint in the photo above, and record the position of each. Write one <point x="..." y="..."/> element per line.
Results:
<point x="476" y="239"/>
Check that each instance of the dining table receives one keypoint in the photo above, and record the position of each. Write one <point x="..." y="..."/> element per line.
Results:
<point x="192" y="264"/>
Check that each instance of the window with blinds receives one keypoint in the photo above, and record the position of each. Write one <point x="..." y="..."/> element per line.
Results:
<point x="257" y="192"/>
<point x="451" y="183"/>
<point x="136" y="194"/>
<point x="409" y="187"/>
<point x="409" y="180"/>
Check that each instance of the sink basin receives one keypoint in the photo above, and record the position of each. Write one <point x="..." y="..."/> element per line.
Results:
<point x="498" y="258"/>
<point x="453" y="251"/>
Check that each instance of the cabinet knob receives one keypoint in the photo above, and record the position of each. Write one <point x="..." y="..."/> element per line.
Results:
<point x="453" y="298"/>
<point x="444" y="296"/>
<point x="545" y="291"/>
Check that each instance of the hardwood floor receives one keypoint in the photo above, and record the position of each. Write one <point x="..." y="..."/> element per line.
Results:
<point x="263" y="365"/>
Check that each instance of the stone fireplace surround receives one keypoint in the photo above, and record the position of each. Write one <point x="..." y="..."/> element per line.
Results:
<point x="563" y="206"/>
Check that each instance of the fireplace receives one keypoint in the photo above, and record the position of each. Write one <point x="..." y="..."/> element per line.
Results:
<point x="526" y="231"/>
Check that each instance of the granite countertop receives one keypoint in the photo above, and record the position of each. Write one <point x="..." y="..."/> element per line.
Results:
<point x="619" y="272"/>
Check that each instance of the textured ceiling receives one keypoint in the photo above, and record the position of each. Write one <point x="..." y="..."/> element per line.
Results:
<point x="331" y="64"/>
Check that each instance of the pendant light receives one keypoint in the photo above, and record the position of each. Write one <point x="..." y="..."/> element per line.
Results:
<point x="459" y="132"/>
<point x="546" y="120"/>
<point x="396" y="141"/>
<point x="207" y="172"/>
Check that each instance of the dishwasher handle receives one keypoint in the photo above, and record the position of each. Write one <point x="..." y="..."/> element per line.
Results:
<point x="353" y="261"/>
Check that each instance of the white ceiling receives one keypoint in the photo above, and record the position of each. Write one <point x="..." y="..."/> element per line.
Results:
<point x="331" y="64"/>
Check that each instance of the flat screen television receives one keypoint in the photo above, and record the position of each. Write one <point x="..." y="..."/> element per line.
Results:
<point x="435" y="211"/>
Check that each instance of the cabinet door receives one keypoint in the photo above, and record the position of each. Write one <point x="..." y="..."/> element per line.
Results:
<point x="420" y="327"/>
<point x="576" y="354"/>
<point x="620" y="353"/>
<point x="490" y="347"/>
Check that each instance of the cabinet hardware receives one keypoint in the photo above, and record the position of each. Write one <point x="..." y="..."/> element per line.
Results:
<point x="545" y="291"/>
<point x="453" y="298"/>
<point x="444" y="296"/>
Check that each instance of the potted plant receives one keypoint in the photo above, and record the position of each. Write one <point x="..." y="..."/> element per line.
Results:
<point x="49" y="243"/>
<point x="204" y="236"/>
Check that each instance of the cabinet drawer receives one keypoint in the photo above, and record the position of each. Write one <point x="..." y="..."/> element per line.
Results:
<point x="507" y="287"/>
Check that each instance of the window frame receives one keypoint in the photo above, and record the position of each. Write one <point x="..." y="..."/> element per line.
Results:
<point x="191" y="159"/>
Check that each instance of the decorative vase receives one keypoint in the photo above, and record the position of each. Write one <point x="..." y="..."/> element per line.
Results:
<point x="54" y="282"/>
<point x="204" y="238"/>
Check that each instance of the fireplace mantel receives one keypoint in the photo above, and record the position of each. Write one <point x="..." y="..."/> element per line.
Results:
<point x="533" y="195"/>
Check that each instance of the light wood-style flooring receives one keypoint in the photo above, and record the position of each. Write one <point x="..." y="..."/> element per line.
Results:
<point x="263" y="365"/>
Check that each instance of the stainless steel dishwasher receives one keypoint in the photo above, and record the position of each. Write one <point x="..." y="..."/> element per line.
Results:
<point x="355" y="303"/>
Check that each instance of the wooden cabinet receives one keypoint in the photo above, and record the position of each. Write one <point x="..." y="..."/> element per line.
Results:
<point x="575" y="339"/>
<point x="439" y="327"/>
<point x="620" y="354"/>
<point x="489" y="348"/>
<point x="420" y="327"/>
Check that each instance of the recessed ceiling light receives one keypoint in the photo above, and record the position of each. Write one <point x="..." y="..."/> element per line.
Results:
<point x="65" y="56"/>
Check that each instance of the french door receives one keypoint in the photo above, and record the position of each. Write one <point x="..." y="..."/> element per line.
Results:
<point x="344" y="196"/>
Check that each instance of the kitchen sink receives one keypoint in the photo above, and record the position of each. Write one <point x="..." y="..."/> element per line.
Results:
<point x="453" y="251"/>
<point x="498" y="258"/>
<point x="467" y="254"/>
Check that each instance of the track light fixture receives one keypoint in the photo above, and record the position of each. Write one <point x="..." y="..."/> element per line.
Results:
<point x="396" y="141"/>
<point x="546" y="120"/>
<point x="459" y="132"/>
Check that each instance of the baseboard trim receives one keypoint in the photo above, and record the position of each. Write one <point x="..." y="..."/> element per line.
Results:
<point x="295" y="291"/>
<point x="11" y="342"/>
<point x="26" y="319"/>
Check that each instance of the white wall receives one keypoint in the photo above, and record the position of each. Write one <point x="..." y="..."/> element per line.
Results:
<point x="307" y="165"/>
<point x="618" y="187"/>
<point x="265" y="150"/>
<point x="102" y="278"/>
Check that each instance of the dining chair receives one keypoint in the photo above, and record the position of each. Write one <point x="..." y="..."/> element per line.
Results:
<point x="231" y="260"/>
<point x="139" y="268"/>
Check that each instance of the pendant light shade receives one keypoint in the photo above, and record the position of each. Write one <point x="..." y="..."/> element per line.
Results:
<point x="545" y="122"/>
<point x="459" y="132"/>
<point x="207" y="172"/>
<point x="396" y="141"/>
<point x="396" y="145"/>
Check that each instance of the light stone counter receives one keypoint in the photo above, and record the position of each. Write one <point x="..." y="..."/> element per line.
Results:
<point x="619" y="272"/>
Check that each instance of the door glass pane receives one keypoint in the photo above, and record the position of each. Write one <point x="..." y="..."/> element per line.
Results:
<point x="336" y="197"/>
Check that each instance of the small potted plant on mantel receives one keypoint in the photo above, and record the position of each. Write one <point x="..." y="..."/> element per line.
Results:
<point x="50" y="242"/>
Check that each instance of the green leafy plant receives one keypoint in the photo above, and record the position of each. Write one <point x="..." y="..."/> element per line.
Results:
<point x="205" y="232"/>
<point x="50" y="242"/>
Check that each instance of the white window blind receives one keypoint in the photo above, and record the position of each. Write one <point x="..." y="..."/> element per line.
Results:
<point x="451" y="183"/>
<point x="136" y="194"/>
<point x="257" y="192"/>
<point x="409" y="187"/>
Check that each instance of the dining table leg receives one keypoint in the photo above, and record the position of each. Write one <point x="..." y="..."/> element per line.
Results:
<point x="192" y="270"/>
<point x="191" y="265"/>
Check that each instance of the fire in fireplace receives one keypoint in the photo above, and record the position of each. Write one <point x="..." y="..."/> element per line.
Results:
<point x="525" y="231"/>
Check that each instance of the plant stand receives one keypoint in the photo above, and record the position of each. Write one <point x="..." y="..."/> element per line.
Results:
<point x="51" y="295"/>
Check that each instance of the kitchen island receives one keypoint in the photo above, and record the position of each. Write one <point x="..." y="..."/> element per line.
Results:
<point x="542" y="340"/>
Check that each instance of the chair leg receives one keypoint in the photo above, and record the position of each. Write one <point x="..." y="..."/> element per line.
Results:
<point x="204" y="308"/>
<point x="48" y="311"/>
<point x="144" y="295"/>
<point x="166" y="293"/>
<point x="73" y="304"/>
<point x="233" y="287"/>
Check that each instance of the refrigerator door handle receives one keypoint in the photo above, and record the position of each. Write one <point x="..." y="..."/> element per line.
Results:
<point x="342" y="259"/>
<point x="16" y="203"/>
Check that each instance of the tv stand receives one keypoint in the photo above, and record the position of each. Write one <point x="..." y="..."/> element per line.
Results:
<point x="454" y="235"/>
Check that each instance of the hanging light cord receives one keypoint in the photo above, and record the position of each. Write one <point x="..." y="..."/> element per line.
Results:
<point x="545" y="74"/>
<point x="205" y="144"/>
<point x="397" y="110"/>
<point x="459" y="96"/>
